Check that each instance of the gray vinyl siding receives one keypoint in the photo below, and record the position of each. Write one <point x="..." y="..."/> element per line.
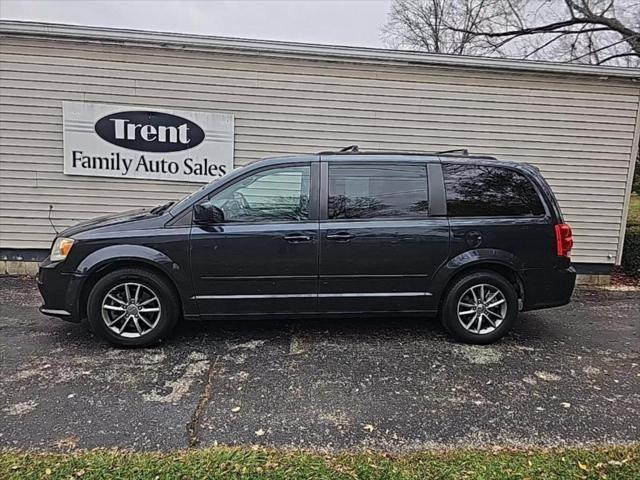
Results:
<point x="578" y="130"/>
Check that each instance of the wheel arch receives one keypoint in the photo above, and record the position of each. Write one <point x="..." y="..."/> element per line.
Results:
<point x="148" y="259"/>
<point x="506" y="270"/>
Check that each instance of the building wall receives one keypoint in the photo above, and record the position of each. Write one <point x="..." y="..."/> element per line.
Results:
<point x="578" y="130"/>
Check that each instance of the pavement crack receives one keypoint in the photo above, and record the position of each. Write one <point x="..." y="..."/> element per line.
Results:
<point x="193" y="427"/>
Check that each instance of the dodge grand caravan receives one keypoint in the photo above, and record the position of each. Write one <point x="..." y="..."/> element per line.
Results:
<point x="471" y="239"/>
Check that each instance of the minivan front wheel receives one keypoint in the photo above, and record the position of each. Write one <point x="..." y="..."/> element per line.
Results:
<point x="480" y="308"/>
<point x="132" y="307"/>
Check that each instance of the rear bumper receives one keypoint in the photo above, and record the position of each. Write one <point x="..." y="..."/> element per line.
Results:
<point x="59" y="291"/>
<point x="545" y="288"/>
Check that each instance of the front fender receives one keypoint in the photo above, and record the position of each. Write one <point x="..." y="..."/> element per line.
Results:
<point x="470" y="258"/>
<point x="142" y="255"/>
<point x="105" y="255"/>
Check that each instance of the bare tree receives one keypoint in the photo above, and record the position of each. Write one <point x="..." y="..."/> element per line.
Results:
<point x="583" y="31"/>
<point x="442" y="26"/>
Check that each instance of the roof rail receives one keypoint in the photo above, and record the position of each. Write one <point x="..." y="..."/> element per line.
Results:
<point x="355" y="150"/>
<point x="456" y="151"/>
<point x="350" y="148"/>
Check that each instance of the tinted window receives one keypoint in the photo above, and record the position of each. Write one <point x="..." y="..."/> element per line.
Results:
<point x="275" y="195"/>
<point x="474" y="190"/>
<point x="375" y="191"/>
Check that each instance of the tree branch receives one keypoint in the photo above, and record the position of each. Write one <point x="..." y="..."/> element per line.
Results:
<point x="562" y="30"/>
<point x="591" y="52"/>
<point x="632" y="37"/>
<point x="618" y="55"/>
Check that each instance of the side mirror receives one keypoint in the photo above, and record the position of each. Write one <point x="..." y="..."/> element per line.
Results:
<point x="207" y="214"/>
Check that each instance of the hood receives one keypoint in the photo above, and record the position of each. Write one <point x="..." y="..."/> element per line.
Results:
<point x="106" y="220"/>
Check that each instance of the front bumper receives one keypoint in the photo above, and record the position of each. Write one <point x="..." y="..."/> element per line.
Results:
<point x="545" y="288"/>
<point x="59" y="290"/>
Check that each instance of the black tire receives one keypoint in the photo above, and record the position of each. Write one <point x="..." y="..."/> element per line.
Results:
<point x="460" y="287"/>
<point x="162" y="322"/>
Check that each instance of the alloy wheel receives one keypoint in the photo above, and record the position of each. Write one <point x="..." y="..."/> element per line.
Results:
<point x="131" y="309"/>
<point x="482" y="309"/>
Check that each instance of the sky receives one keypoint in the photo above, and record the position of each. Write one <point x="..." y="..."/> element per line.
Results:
<point x="337" y="22"/>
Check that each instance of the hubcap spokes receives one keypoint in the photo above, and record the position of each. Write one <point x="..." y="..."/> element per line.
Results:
<point x="482" y="308"/>
<point x="131" y="309"/>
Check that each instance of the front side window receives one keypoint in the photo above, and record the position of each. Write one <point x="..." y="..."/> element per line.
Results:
<point x="274" y="195"/>
<point x="377" y="191"/>
<point x="488" y="191"/>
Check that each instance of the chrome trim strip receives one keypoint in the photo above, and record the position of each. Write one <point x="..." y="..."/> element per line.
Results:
<point x="48" y="311"/>
<point x="312" y="295"/>
<point x="264" y="277"/>
<point x="376" y="294"/>
<point x="232" y="297"/>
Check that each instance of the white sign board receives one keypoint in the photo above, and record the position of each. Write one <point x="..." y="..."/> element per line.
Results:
<point x="146" y="143"/>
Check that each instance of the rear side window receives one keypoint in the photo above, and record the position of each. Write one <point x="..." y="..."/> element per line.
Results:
<point x="377" y="191"/>
<point x="477" y="190"/>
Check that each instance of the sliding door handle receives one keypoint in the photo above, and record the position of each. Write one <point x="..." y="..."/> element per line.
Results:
<point x="340" y="236"/>
<point x="297" y="238"/>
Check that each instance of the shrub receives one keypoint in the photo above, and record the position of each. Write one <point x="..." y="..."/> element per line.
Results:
<point x="631" y="252"/>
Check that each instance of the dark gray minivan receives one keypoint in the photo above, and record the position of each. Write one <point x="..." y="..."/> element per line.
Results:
<point x="469" y="238"/>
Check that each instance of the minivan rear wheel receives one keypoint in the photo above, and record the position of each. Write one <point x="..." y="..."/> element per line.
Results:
<point x="479" y="308"/>
<point x="132" y="307"/>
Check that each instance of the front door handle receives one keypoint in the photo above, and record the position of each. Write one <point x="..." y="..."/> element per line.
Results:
<point x="297" y="238"/>
<point x="340" y="236"/>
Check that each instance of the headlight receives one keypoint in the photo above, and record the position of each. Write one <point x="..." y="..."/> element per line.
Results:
<point x="61" y="248"/>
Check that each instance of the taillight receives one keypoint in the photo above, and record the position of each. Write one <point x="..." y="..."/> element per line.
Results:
<point x="564" y="240"/>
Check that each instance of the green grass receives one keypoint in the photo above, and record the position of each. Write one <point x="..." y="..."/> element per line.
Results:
<point x="246" y="463"/>
<point x="634" y="210"/>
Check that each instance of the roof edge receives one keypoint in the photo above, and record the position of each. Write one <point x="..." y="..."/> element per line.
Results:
<point x="281" y="48"/>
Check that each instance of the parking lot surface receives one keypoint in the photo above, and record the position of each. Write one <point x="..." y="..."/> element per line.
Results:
<point x="567" y="376"/>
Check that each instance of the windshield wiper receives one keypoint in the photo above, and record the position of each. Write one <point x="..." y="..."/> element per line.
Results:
<point x="161" y="208"/>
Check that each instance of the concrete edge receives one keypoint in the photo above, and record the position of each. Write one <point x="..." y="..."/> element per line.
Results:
<point x="18" y="268"/>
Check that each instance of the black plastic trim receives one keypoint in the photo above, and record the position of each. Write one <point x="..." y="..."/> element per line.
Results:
<point x="324" y="191"/>
<point x="437" y="198"/>
<point x="593" y="268"/>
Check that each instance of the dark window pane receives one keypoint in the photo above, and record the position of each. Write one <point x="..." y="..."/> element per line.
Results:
<point x="377" y="191"/>
<point x="475" y="190"/>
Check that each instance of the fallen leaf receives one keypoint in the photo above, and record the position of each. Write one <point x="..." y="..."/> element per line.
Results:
<point x="369" y="428"/>
<point x="582" y="466"/>
<point x="260" y="432"/>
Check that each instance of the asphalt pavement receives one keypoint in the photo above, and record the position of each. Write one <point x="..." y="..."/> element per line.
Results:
<point x="565" y="376"/>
